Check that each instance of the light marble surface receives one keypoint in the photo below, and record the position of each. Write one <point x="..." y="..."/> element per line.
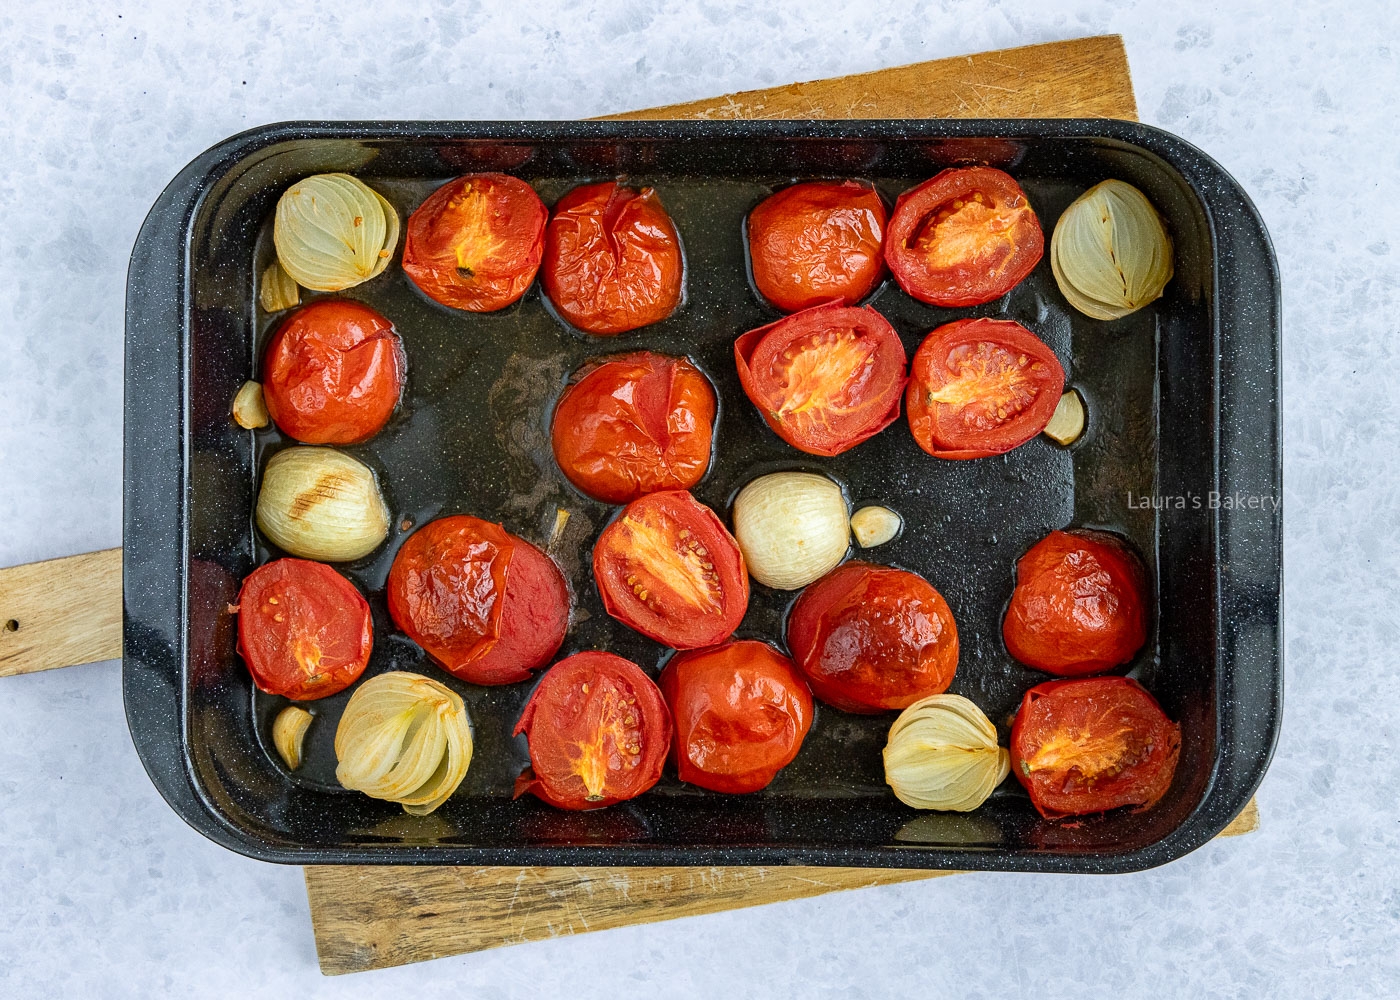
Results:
<point x="104" y="892"/>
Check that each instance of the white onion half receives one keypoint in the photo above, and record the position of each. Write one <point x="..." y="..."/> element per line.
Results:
<point x="1111" y="253"/>
<point x="793" y="528"/>
<point x="943" y="754"/>
<point x="332" y="231"/>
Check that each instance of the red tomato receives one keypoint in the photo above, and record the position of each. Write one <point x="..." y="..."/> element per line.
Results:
<point x="824" y="379"/>
<point x="598" y="733"/>
<point x="634" y="424"/>
<point x="981" y="387"/>
<point x="741" y="711"/>
<point x="476" y="242"/>
<point x="966" y="236"/>
<point x="612" y="259"/>
<point x="333" y="373"/>
<point x="1079" y="606"/>
<point x="303" y="629"/>
<point x="816" y="242"/>
<point x="668" y="568"/>
<point x="486" y="605"/>
<point x="1091" y="744"/>
<point x="871" y="638"/>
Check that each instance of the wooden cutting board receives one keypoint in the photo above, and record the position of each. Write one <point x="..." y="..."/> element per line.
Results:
<point x="68" y="611"/>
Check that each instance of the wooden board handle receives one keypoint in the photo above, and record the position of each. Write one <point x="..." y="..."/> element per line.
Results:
<point x="61" y="612"/>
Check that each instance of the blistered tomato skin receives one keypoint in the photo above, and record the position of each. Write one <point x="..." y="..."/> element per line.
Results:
<point x="598" y="731"/>
<point x="1080" y="604"/>
<point x="741" y="711"/>
<point x="612" y="259"/>
<point x="333" y="373"/>
<point x="871" y="638"/>
<point x="476" y="242"/>
<point x="634" y="424"/>
<point x="817" y="242"/>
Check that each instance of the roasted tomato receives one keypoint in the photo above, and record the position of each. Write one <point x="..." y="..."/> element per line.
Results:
<point x="824" y="379"/>
<point x="981" y="387"/>
<point x="634" y="424"/>
<point x="598" y="731"/>
<point x="817" y="242"/>
<point x="333" y="373"/>
<point x="668" y="568"/>
<point x="476" y="243"/>
<point x="612" y="259"/>
<point x="741" y="711"/>
<point x="1080" y="604"/>
<point x="486" y="605"/>
<point x="965" y="237"/>
<point x="871" y="638"/>
<point x="303" y="629"/>
<point x="1090" y="744"/>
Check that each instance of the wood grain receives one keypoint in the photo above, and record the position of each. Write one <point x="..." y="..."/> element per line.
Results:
<point x="61" y="612"/>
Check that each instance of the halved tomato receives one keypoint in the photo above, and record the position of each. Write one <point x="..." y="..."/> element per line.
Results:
<point x="872" y="638"/>
<point x="333" y="373"/>
<point x="965" y="237"/>
<point x="817" y="242"/>
<point x="1091" y="744"/>
<point x="980" y="387"/>
<point x="598" y="731"/>
<point x="612" y="259"/>
<point x="668" y="568"/>
<point x="476" y="242"/>
<point x="1079" y="606"/>
<point x="486" y="605"/>
<point x="741" y="711"/>
<point x="634" y="424"/>
<point x="824" y="379"/>
<point x="303" y="629"/>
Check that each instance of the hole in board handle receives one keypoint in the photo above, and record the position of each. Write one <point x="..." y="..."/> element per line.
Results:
<point x="12" y="626"/>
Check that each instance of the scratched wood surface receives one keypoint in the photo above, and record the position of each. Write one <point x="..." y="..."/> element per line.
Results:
<point x="61" y="612"/>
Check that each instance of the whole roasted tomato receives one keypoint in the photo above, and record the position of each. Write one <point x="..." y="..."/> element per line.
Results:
<point x="741" y="711"/>
<point x="612" y="259"/>
<point x="634" y="424"/>
<point x="871" y="638"/>
<point x="1080" y="604"/>
<point x="486" y="605"/>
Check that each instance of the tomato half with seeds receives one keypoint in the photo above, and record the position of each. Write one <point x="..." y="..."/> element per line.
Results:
<point x="612" y="259"/>
<point x="333" y="373"/>
<point x="598" y="731"/>
<point x="824" y="379"/>
<point x="486" y="605"/>
<point x="476" y="242"/>
<point x="965" y="237"/>
<point x="1080" y="604"/>
<point x="668" y="568"/>
<point x="980" y="387"/>
<point x="303" y="629"/>
<point x="1091" y="744"/>
<point x="634" y="424"/>
<point x="741" y="711"/>
<point x="873" y="638"/>
<point x="817" y="242"/>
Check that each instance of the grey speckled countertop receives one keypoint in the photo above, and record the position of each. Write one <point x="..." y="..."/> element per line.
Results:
<point x="104" y="892"/>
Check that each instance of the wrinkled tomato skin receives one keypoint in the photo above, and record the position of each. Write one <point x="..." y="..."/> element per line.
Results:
<point x="1092" y="744"/>
<point x="634" y="424"/>
<point x="667" y="567"/>
<point x="333" y="373"/>
<point x="476" y="242"/>
<point x="986" y="248"/>
<point x="854" y="366"/>
<point x="612" y="259"/>
<point x="1002" y="381"/>
<point x="740" y="710"/>
<point x="817" y="242"/>
<point x="486" y="605"/>
<point x="303" y="629"/>
<point x="1080" y="604"/>
<point x="598" y="731"/>
<point x="871" y="638"/>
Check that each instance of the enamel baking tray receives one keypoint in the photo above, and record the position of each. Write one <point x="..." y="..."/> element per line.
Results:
<point x="1181" y="456"/>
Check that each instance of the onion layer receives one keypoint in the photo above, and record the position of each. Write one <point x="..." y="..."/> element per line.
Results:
<point x="943" y="754"/>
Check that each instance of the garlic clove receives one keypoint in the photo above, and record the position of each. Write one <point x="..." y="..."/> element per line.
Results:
<point x="943" y="754"/>
<point x="1067" y="423"/>
<point x="249" y="408"/>
<point x="874" y="526"/>
<point x="288" y="734"/>
<point x="277" y="290"/>
<point x="319" y="503"/>
<point x="792" y="528"/>
<point x="561" y="521"/>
